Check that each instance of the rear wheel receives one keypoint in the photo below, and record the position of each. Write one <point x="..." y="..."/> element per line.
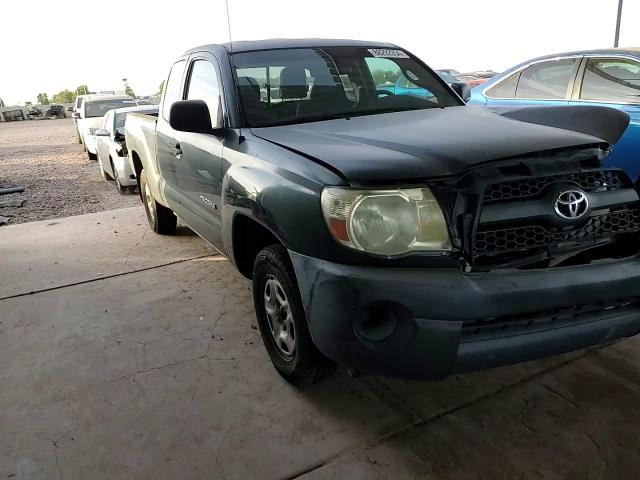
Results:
<point x="282" y="320"/>
<point x="92" y="156"/>
<point x="161" y="219"/>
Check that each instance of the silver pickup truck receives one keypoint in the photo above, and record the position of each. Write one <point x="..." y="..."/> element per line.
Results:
<point x="401" y="233"/>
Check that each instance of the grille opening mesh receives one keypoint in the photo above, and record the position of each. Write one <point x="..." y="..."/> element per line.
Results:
<point x="531" y="187"/>
<point x="501" y="241"/>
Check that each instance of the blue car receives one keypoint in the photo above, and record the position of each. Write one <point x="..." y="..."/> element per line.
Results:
<point x="597" y="77"/>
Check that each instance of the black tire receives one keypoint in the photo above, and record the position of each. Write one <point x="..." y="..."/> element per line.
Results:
<point x="161" y="219"/>
<point x="92" y="156"/>
<point x="304" y="365"/>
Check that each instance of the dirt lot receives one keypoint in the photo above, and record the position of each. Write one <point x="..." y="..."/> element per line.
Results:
<point x="60" y="180"/>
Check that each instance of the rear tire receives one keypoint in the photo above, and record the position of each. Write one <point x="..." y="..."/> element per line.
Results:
<point x="282" y="321"/>
<point x="92" y="156"/>
<point x="161" y="219"/>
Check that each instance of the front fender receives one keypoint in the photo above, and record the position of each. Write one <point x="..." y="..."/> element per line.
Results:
<point x="286" y="204"/>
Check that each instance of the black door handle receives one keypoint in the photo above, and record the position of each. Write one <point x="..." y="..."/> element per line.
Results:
<point x="175" y="149"/>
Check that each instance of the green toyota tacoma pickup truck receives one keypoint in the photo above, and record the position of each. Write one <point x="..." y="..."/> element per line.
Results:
<point x="407" y="235"/>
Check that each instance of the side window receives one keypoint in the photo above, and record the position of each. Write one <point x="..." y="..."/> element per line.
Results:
<point x="547" y="80"/>
<point x="387" y="75"/>
<point x="506" y="88"/>
<point x="204" y="85"/>
<point x="611" y="80"/>
<point x="172" y="88"/>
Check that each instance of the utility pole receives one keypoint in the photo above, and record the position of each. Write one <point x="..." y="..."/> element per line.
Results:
<point x="617" y="39"/>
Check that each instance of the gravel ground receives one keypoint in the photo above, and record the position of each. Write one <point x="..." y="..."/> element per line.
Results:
<point x="44" y="157"/>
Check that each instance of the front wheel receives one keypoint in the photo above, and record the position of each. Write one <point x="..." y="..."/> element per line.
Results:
<point x="161" y="219"/>
<point x="282" y="320"/>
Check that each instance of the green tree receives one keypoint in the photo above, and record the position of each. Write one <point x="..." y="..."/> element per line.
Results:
<point x="82" y="90"/>
<point x="43" y="99"/>
<point x="129" y="91"/>
<point x="1" y="103"/>
<point x="161" y="88"/>
<point x="65" y="96"/>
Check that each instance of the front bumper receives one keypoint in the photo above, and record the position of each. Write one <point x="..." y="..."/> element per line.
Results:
<point x="126" y="176"/>
<point x="90" y="142"/>
<point x="411" y="323"/>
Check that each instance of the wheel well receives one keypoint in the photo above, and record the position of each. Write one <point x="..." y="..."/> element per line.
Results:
<point x="249" y="237"/>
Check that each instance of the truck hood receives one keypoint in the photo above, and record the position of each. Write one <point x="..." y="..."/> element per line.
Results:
<point x="419" y="144"/>
<point x="84" y="124"/>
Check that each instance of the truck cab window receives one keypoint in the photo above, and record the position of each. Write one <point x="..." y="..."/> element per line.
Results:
<point x="172" y="91"/>
<point x="204" y="85"/>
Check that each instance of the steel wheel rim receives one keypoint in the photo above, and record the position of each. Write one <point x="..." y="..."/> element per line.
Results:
<point x="279" y="317"/>
<point x="149" y="202"/>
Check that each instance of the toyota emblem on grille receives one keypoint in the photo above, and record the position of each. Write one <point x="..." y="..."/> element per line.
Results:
<point x="571" y="204"/>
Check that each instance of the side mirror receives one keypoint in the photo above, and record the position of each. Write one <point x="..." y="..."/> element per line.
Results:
<point x="194" y="116"/>
<point x="462" y="89"/>
<point x="75" y="115"/>
<point x="102" y="132"/>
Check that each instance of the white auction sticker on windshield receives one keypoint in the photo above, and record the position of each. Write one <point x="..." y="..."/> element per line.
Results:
<point x="387" y="53"/>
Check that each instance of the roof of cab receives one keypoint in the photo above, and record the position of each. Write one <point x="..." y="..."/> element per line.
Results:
<point x="279" y="43"/>
<point x="138" y="109"/>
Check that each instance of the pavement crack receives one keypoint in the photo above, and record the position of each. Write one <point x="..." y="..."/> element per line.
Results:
<point x="213" y="326"/>
<point x="104" y="277"/>
<point x="561" y="395"/>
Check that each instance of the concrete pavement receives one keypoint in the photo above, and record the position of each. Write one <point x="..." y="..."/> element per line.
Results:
<point x="124" y="354"/>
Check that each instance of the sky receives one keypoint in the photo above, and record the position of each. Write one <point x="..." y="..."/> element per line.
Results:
<point x="50" y="45"/>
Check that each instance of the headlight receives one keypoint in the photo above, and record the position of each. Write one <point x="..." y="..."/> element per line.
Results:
<point x="386" y="222"/>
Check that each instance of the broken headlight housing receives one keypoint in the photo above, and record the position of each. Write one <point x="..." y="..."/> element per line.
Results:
<point x="386" y="222"/>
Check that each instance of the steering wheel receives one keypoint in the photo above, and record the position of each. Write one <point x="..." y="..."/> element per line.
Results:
<point x="384" y="93"/>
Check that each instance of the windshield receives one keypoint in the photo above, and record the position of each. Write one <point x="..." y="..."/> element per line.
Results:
<point x="288" y="86"/>
<point x="98" y="108"/>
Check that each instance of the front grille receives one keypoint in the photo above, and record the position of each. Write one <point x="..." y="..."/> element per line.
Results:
<point x="497" y="327"/>
<point x="533" y="186"/>
<point x="506" y="240"/>
<point x="502" y="215"/>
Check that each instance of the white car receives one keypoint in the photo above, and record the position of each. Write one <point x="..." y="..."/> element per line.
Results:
<point x="112" y="149"/>
<point x="89" y="117"/>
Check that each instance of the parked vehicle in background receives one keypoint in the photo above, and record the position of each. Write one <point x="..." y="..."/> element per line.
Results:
<point x="89" y="117"/>
<point x="112" y="148"/>
<point x="405" y="235"/>
<point x="609" y="77"/>
<point x="404" y="86"/>
<point x="471" y="80"/>
<point x="451" y="71"/>
<point x="55" y="111"/>
<point x="447" y="77"/>
<point x="76" y="108"/>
